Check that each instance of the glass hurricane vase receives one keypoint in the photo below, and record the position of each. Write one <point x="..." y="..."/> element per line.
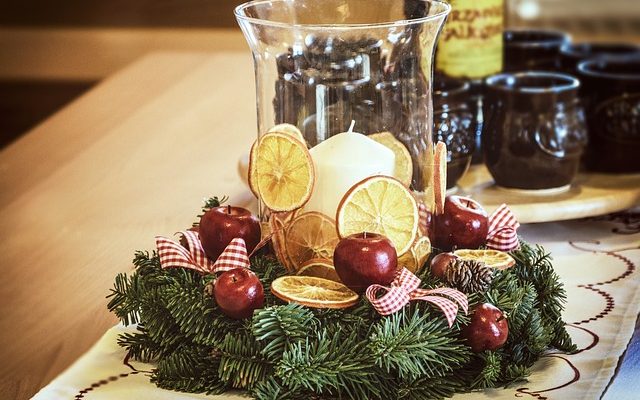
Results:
<point x="323" y="65"/>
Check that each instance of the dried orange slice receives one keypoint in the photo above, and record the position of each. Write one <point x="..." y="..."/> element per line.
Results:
<point x="403" y="170"/>
<point x="380" y="204"/>
<point x="414" y="259"/>
<point x="440" y="176"/>
<point x="288" y="129"/>
<point x="408" y="261"/>
<point x="313" y="292"/>
<point x="310" y="235"/>
<point x="319" y="268"/>
<point x="277" y="225"/>
<point x="281" y="171"/>
<point x="492" y="258"/>
<point x="421" y="250"/>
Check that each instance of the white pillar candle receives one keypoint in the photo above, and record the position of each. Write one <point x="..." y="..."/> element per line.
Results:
<point x="342" y="161"/>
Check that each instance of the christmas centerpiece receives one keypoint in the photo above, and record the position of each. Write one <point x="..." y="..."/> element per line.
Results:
<point x="359" y="278"/>
<point x="307" y="308"/>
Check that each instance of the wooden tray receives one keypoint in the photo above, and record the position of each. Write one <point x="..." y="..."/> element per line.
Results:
<point x="589" y="195"/>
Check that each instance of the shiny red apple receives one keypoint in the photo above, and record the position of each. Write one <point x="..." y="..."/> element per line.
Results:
<point x="440" y="263"/>
<point x="220" y="225"/>
<point x="463" y="224"/>
<point x="363" y="259"/>
<point x="488" y="329"/>
<point x="238" y="292"/>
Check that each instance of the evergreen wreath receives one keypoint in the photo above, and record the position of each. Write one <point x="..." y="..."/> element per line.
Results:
<point x="288" y="351"/>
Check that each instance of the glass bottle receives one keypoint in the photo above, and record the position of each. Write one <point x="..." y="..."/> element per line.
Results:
<point x="471" y="49"/>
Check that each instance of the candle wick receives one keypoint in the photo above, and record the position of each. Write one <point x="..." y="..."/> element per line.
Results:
<point x="353" y="124"/>
<point x="229" y="209"/>
<point x="364" y="235"/>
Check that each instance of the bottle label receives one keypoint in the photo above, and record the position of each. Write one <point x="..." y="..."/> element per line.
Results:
<point x="470" y="44"/>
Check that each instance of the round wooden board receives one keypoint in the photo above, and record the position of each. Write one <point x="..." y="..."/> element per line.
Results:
<point x="588" y="196"/>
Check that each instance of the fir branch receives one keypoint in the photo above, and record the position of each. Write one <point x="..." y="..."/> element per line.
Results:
<point x="415" y="345"/>
<point x="562" y="340"/>
<point x="338" y="365"/>
<point x="273" y="389"/>
<point x="125" y="298"/>
<point x="513" y="373"/>
<point x="213" y="202"/>
<point x="488" y="376"/>
<point x="535" y="334"/>
<point x="515" y="299"/>
<point x="161" y="327"/>
<point x="439" y="387"/>
<point x="533" y="264"/>
<point x="267" y="269"/>
<point x="139" y="345"/>
<point x="241" y="362"/>
<point x="280" y="326"/>
<point x="357" y="319"/>
<point x="196" y="314"/>
<point x="143" y="260"/>
<point x="189" y="369"/>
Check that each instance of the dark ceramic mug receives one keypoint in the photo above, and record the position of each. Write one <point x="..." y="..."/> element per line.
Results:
<point x="534" y="130"/>
<point x="527" y="50"/>
<point x="611" y="94"/>
<point x="571" y="54"/>
<point x="455" y="124"/>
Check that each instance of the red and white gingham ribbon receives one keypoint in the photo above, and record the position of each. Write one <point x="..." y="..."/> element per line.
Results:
<point x="502" y="230"/>
<point x="233" y="256"/>
<point x="174" y="255"/>
<point x="406" y="288"/>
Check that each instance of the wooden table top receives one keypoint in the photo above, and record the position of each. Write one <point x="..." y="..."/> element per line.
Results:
<point x="131" y="159"/>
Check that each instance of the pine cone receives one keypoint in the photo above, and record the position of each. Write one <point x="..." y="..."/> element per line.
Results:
<point x="468" y="276"/>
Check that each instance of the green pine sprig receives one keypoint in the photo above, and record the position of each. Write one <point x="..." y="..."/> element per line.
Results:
<point x="278" y="327"/>
<point x="412" y="346"/>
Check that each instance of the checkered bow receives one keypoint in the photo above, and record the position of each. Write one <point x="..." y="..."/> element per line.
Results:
<point x="174" y="255"/>
<point x="502" y="230"/>
<point x="406" y="288"/>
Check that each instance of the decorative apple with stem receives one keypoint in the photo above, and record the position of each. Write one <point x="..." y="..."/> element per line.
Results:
<point x="363" y="259"/>
<point x="463" y="224"/>
<point x="238" y="292"/>
<point x="488" y="329"/>
<point x="220" y="225"/>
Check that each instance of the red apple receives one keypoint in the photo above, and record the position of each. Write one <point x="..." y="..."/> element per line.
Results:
<point x="220" y="225"/>
<point x="488" y="329"/>
<point x="238" y="292"/>
<point x="363" y="259"/>
<point x="440" y="263"/>
<point x="464" y="224"/>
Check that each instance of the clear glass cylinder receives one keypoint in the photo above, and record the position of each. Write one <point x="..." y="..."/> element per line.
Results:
<point x="319" y="65"/>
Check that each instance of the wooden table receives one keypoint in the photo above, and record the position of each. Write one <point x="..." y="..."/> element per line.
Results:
<point x="132" y="158"/>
